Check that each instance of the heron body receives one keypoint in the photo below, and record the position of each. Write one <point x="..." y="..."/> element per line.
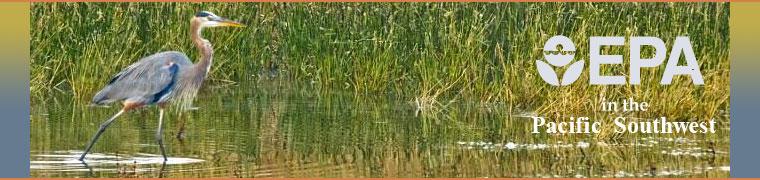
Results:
<point x="149" y="81"/>
<point x="161" y="78"/>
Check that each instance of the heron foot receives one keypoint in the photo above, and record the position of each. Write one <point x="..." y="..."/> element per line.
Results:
<point x="180" y="135"/>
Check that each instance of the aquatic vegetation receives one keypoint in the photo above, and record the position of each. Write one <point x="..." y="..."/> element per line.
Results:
<point x="383" y="89"/>
<point x="480" y="52"/>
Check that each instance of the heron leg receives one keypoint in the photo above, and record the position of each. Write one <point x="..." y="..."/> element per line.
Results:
<point x="100" y="131"/>
<point x="181" y="130"/>
<point x="159" y="138"/>
<point x="162" y="171"/>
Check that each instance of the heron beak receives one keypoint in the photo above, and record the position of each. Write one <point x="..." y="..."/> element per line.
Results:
<point x="227" y="22"/>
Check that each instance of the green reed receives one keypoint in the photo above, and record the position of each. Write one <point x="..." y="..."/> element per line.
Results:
<point x="436" y="53"/>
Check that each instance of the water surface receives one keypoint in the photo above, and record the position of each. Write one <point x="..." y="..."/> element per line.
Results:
<point x="270" y="130"/>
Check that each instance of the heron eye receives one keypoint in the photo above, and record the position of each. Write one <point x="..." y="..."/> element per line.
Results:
<point x="202" y="14"/>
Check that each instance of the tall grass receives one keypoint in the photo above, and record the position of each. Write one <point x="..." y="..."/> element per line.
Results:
<point x="437" y="52"/>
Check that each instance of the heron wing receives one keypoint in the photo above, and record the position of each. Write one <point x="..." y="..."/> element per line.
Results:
<point x="148" y="81"/>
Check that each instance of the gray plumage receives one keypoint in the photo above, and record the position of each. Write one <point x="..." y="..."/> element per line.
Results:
<point x="149" y="81"/>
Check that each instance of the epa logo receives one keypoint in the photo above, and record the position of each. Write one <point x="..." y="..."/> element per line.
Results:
<point x="559" y="51"/>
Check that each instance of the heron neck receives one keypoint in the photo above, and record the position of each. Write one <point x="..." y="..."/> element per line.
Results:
<point x="205" y="49"/>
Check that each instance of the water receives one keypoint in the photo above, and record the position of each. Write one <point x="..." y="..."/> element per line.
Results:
<point x="271" y="130"/>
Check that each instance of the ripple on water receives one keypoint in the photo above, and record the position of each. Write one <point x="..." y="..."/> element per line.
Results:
<point x="68" y="161"/>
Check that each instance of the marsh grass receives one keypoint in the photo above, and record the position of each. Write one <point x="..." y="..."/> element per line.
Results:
<point x="437" y="52"/>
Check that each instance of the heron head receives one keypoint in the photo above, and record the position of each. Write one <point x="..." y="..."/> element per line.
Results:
<point x="208" y="19"/>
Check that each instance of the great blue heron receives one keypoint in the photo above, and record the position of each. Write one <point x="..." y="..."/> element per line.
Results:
<point x="161" y="77"/>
